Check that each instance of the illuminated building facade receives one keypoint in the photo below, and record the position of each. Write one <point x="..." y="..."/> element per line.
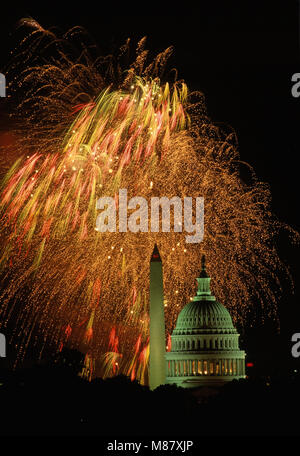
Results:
<point x="205" y="349"/>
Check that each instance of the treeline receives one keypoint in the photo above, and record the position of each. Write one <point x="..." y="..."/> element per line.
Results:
<point x="54" y="400"/>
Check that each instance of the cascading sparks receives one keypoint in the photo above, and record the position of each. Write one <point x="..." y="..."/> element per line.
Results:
<point x="64" y="283"/>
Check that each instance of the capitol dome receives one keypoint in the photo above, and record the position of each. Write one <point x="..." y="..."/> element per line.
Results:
<point x="205" y="349"/>
<point x="210" y="315"/>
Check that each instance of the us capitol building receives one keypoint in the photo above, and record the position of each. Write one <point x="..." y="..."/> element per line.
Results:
<point x="205" y="348"/>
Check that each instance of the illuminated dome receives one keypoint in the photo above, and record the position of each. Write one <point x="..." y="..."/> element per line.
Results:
<point x="211" y="315"/>
<point x="205" y="349"/>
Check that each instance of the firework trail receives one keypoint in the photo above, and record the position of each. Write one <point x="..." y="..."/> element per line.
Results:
<point x="89" y="129"/>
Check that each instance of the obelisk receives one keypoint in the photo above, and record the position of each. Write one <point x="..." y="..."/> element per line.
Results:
<point x="157" y="323"/>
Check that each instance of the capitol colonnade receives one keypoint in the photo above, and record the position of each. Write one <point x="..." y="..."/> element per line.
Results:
<point x="208" y="366"/>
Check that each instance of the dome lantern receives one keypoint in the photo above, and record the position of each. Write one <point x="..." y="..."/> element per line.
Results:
<point x="203" y="280"/>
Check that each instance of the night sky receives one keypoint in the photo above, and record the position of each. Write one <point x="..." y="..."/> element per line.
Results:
<point x="242" y="58"/>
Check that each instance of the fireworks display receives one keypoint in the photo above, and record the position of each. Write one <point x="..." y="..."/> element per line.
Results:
<point x="86" y="128"/>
